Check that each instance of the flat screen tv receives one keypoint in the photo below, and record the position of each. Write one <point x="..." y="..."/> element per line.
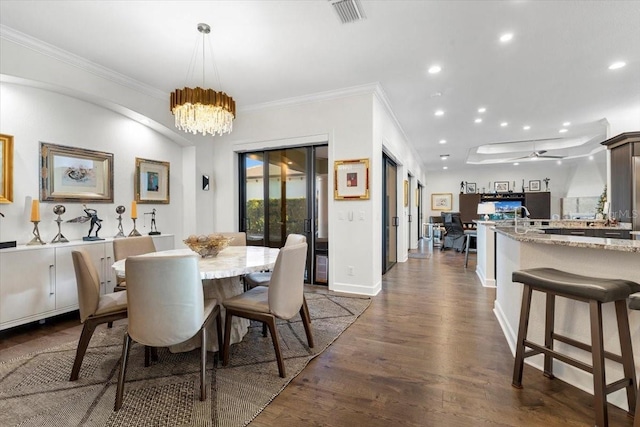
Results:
<point x="506" y="209"/>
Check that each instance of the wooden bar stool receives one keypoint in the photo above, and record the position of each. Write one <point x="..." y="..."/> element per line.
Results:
<point x="634" y="304"/>
<point x="595" y="292"/>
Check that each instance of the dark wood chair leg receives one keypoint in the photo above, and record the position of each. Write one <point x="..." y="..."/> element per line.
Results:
<point x="271" y="323"/>
<point x="518" y="365"/>
<point x="306" y="309"/>
<point x="219" y="331"/>
<point x="548" y="334"/>
<point x="154" y="354"/>
<point x="628" y="364"/>
<point x="203" y="363"/>
<point x="109" y="325"/>
<point x="264" y="329"/>
<point x="83" y="343"/>
<point x="307" y="326"/>
<point x="597" y="352"/>
<point x="227" y="337"/>
<point x="123" y="371"/>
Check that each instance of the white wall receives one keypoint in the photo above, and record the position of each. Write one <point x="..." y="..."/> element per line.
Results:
<point x="33" y="115"/>
<point x="346" y="123"/>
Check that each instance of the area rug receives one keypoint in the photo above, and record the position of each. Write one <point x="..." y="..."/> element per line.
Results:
<point x="35" y="391"/>
<point x="419" y="255"/>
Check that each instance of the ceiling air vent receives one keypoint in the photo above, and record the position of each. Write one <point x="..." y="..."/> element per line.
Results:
<point x="348" y="10"/>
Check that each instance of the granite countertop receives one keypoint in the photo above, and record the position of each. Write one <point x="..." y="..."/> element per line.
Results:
<point x="623" y="245"/>
<point x="561" y="223"/>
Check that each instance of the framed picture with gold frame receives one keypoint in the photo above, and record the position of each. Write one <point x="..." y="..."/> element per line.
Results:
<point x="72" y="174"/>
<point x="441" y="201"/>
<point x="152" y="181"/>
<point x="406" y="193"/>
<point x="351" y="179"/>
<point x="6" y="173"/>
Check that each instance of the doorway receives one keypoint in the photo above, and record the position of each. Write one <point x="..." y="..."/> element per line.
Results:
<point x="286" y="191"/>
<point x="390" y="219"/>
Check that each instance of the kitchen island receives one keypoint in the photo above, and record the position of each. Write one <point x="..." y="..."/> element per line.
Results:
<point x="589" y="256"/>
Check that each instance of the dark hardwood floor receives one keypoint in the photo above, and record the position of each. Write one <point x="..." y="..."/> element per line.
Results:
<point x="427" y="352"/>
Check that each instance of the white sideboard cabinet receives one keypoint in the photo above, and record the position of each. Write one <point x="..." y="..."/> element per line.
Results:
<point x="37" y="282"/>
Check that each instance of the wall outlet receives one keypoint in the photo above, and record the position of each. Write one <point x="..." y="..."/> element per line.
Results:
<point x="350" y="270"/>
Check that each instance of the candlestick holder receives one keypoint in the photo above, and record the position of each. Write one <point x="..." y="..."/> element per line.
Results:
<point x="36" y="235"/>
<point x="134" y="232"/>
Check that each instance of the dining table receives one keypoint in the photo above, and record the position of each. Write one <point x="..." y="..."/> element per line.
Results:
<point x="221" y="279"/>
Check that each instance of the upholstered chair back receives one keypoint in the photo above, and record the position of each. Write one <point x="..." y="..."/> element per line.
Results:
<point x="239" y="238"/>
<point x="286" y="287"/>
<point x="294" y="239"/>
<point x="87" y="282"/>
<point x="166" y="301"/>
<point x="130" y="246"/>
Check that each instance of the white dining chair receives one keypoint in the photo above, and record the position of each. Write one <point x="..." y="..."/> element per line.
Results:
<point x="166" y="307"/>
<point x="282" y="299"/>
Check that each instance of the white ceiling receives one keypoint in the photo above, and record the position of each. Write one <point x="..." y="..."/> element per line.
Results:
<point x="554" y="70"/>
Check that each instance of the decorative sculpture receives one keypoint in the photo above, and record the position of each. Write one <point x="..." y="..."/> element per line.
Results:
<point x="546" y="184"/>
<point x="90" y="215"/>
<point x="154" y="230"/>
<point x="59" y="210"/>
<point x="120" y="210"/>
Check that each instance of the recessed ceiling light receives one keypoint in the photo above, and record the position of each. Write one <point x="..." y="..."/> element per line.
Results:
<point x="442" y="141"/>
<point x="565" y="124"/>
<point x="527" y="127"/>
<point x="504" y="124"/>
<point x="482" y="110"/>
<point x="516" y="164"/>
<point x="590" y="157"/>
<point x="444" y="156"/>
<point x="445" y="167"/>
<point x="562" y="130"/>
<point x="559" y="162"/>
<point x="435" y="69"/>
<point x="478" y="120"/>
<point x="617" y="65"/>
<point x="506" y="37"/>
<point x="439" y="113"/>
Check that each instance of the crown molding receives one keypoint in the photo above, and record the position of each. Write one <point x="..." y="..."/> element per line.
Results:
<point x="58" y="54"/>
<point x="311" y="98"/>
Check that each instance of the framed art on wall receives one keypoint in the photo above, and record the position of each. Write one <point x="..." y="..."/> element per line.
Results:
<point x="406" y="193"/>
<point x="501" y="186"/>
<point x="351" y="179"/>
<point x="471" y="187"/>
<point x="151" y="183"/>
<point x="441" y="201"/>
<point x="6" y="168"/>
<point x="71" y="174"/>
<point x="534" y="185"/>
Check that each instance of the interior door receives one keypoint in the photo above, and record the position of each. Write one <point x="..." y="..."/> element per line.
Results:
<point x="390" y="215"/>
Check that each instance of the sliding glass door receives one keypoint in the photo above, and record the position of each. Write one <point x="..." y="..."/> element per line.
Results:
<point x="281" y="195"/>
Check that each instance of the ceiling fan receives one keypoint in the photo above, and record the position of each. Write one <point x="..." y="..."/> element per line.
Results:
<point x="539" y="154"/>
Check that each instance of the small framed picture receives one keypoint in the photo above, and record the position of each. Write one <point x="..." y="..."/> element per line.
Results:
<point x="501" y="186"/>
<point x="441" y="201"/>
<point x="471" y="187"/>
<point x="152" y="181"/>
<point x="351" y="179"/>
<point x="534" y="185"/>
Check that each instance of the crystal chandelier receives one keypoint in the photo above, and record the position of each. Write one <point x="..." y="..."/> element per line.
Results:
<point x="203" y="110"/>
